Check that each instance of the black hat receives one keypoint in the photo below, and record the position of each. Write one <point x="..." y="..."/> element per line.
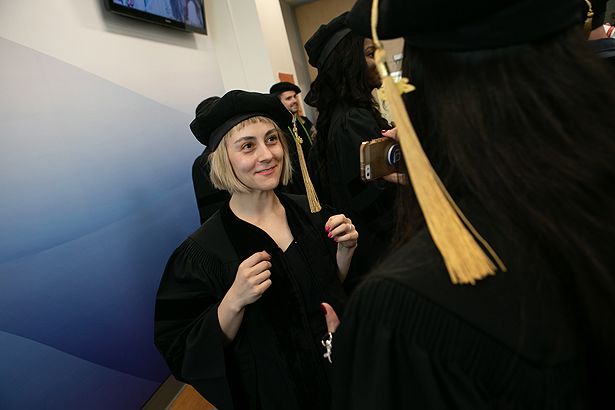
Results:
<point x="281" y="87"/>
<point x="466" y="25"/>
<point x="324" y="40"/>
<point x="216" y="116"/>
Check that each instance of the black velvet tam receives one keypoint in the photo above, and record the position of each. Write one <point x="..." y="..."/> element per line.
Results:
<point x="324" y="40"/>
<point x="216" y="117"/>
<point x="467" y="25"/>
<point x="282" y="87"/>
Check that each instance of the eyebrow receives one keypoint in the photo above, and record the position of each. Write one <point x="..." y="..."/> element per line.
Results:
<point x="251" y="137"/>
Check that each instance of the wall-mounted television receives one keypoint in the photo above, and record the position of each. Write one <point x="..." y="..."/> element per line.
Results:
<point x="187" y="15"/>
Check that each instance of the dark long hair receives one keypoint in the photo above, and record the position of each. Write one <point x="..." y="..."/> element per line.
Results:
<point x="527" y="131"/>
<point x="342" y="79"/>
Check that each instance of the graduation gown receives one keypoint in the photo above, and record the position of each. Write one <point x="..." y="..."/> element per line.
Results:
<point x="410" y="339"/>
<point x="208" y="198"/>
<point x="370" y="205"/>
<point x="275" y="361"/>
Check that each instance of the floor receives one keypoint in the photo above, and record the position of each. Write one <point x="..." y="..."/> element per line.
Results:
<point x="189" y="399"/>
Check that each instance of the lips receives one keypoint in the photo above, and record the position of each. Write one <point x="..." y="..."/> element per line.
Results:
<point x="267" y="171"/>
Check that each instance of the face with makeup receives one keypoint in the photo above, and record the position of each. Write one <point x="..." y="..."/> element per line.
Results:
<point x="256" y="155"/>
<point x="373" y="78"/>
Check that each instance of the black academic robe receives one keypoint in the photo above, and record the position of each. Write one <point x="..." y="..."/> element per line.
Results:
<point x="208" y="198"/>
<point x="275" y="361"/>
<point x="370" y="205"/>
<point x="410" y="339"/>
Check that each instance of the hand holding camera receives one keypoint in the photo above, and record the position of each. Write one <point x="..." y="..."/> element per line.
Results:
<point x="382" y="158"/>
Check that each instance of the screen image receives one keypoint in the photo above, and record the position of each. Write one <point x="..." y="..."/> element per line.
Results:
<point x="187" y="15"/>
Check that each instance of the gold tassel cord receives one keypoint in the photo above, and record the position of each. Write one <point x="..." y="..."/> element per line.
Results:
<point x="452" y="233"/>
<point x="309" y="187"/>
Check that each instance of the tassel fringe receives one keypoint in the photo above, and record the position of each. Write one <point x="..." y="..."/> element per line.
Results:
<point x="452" y="233"/>
<point x="309" y="187"/>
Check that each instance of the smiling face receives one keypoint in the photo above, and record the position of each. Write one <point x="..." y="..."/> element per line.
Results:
<point x="256" y="155"/>
<point x="290" y="101"/>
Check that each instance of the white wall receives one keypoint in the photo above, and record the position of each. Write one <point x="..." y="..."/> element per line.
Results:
<point x="171" y="67"/>
<point x="276" y="39"/>
<point x="240" y="45"/>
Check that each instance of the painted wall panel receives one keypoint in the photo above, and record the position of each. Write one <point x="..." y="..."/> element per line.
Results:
<point x="96" y="193"/>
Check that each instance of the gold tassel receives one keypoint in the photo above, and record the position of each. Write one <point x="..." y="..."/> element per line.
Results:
<point x="450" y="230"/>
<point x="309" y="187"/>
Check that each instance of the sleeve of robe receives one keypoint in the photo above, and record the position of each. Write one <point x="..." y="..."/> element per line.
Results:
<point x="187" y="330"/>
<point x="354" y="127"/>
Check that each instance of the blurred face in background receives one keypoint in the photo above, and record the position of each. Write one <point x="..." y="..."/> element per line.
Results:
<point x="290" y="101"/>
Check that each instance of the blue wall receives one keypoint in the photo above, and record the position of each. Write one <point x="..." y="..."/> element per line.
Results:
<point x="95" y="193"/>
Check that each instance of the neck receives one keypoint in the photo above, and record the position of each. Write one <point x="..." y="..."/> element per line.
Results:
<point x="255" y="205"/>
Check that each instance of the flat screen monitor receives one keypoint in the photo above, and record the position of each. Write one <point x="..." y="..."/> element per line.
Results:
<point x="187" y="15"/>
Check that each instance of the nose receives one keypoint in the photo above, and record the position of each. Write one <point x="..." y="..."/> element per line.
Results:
<point x="264" y="153"/>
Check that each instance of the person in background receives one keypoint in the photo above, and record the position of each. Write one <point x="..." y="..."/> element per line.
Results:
<point x="238" y="311"/>
<point x="287" y="93"/>
<point x="602" y="44"/>
<point x="347" y="116"/>
<point x="516" y="119"/>
<point x="208" y="198"/>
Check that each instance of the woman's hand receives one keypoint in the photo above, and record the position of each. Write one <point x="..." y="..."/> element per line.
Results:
<point x="330" y="317"/>
<point x="332" y="323"/>
<point x="342" y="231"/>
<point x="397" y="177"/>
<point x="392" y="133"/>
<point x="251" y="281"/>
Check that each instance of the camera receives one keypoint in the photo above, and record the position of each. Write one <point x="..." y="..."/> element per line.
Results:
<point x="380" y="157"/>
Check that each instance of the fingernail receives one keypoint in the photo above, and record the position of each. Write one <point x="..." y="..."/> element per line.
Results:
<point x="322" y="307"/>
<point x="330" y="235"/>
<point x="383" y="131"/>
<point x="327" y="228"/>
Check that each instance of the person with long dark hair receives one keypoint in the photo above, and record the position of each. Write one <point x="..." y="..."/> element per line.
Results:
<point x="514" y="111"/>
<point x="238" y="310"/>
<point x="347" y="116"/>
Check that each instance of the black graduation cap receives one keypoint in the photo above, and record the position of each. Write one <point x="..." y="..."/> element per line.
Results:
<point x="283" y="86"/>
<point x="216" y="116"/>
<point x="324" y="40"/>
<point x="467" y="25"/>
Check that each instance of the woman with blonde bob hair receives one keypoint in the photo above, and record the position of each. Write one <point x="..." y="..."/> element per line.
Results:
<point x="238" y="311"/>
<point x="221" y="171"/>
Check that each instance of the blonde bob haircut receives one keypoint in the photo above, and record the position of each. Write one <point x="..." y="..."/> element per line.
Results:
<point x="221" y="171"/>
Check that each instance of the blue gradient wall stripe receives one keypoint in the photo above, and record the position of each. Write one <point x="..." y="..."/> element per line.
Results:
<point x="96" y="193"/>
